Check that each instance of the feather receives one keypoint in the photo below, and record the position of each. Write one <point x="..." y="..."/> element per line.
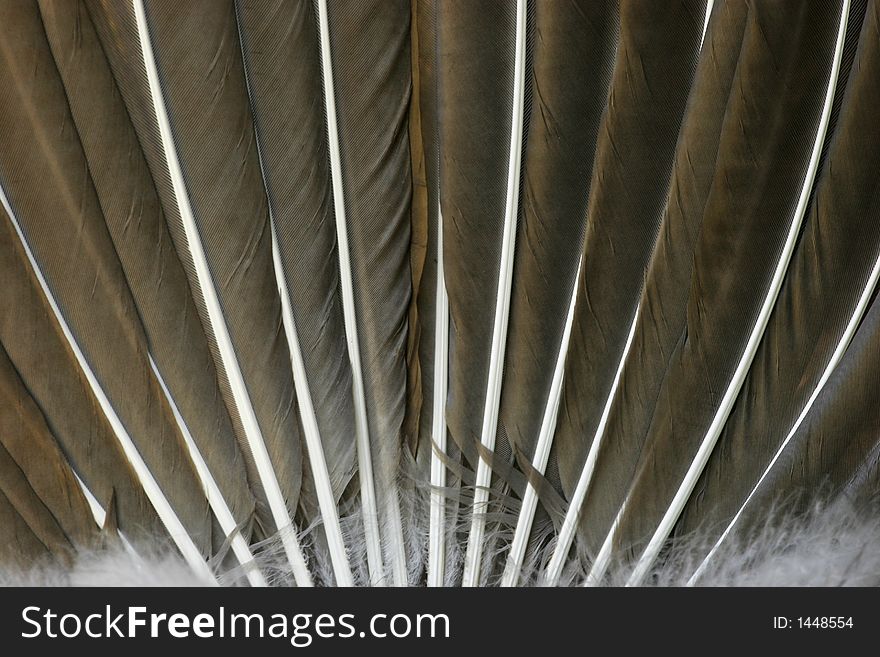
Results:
<point x="474" y="554"/>
<point x="20" y="546"/>
<point x="724" y="325"/>
<point x="839" y="251"/>
<point x="77" y="270"/>
<point x="210" y="185"/>
<point x="653" y="70"/>
<point x="415" y="492"/>
<point x="661" y="313"/>
<point x="59" y="389"/>
<point x="34" y="474"/>
<point x="367" y="84"/>
<point x="481" y="69"/>
<point x="420" y="217"/>
<point x="429" y="296"/>
<point x="285" y="85"/>
<point x="133" y="215"/>
<point x="369" y="504"/>
<point x="572" y="63"/>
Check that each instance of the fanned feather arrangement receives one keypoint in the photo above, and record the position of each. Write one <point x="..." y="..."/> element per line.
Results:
<point x="423" y="292"/>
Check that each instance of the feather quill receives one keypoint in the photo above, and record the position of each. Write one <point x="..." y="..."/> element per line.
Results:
<point x="481" y="69"/>
<point x="366" y="476"/>
<point x="367" y="85"/>
<point x="430" y="298"/>
<point x="489" y="429"/>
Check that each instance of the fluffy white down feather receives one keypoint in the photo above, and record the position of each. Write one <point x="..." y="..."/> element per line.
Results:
<point x="829" y="546"/>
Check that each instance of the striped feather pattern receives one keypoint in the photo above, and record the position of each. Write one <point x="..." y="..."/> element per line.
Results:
<point x="411" y="292"/>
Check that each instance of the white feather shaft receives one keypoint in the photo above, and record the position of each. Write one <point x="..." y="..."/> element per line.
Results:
<point x="542" y="450"/>
<point x="603" y="558"/>
<point x="695" y="470"/>
<point x="314" y="445"/>
<point x="473" y="556"/>
<point x="100" y="516"/>
<point x="709" y="5"/>
<point x="268" y="479"/>
<point x="569" y="524"/>
<point x="221" y="509"/>
<point x="369" y="504"/>
<point x="437" y="522"/>
<point x="394" y="547"/>
<point x="98" y="512"/>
